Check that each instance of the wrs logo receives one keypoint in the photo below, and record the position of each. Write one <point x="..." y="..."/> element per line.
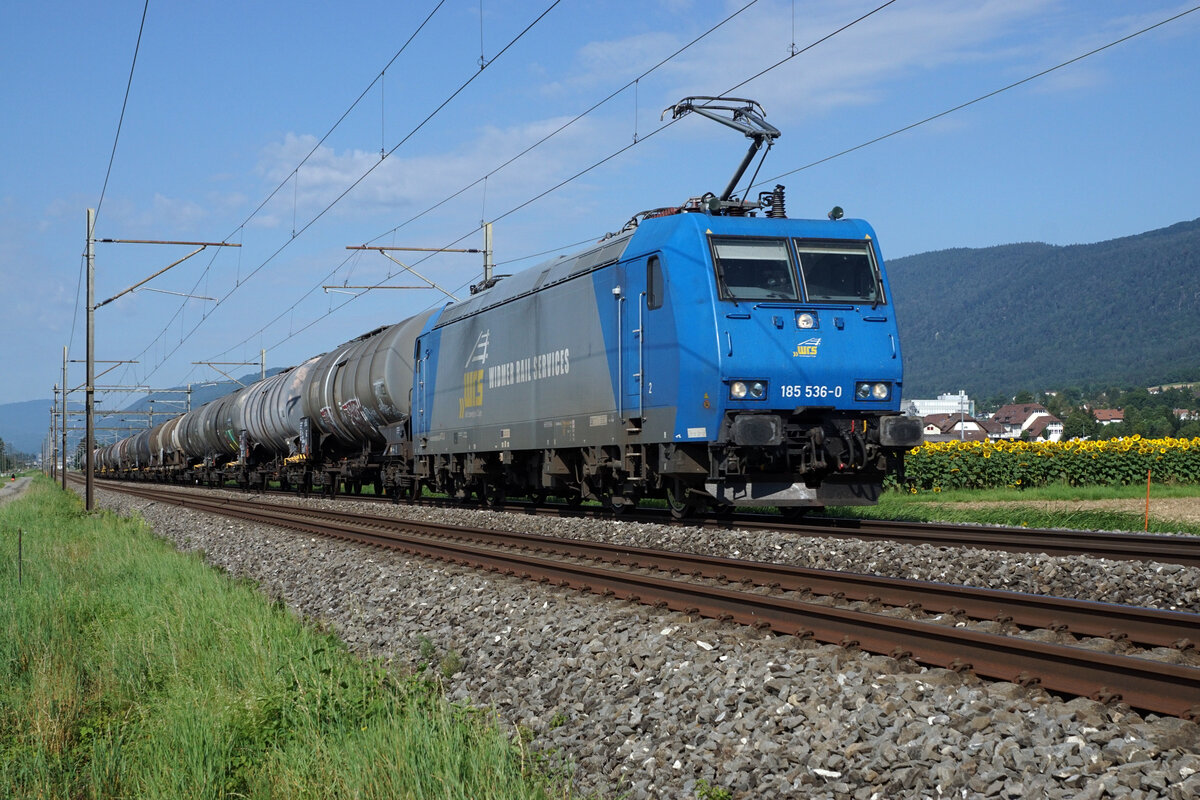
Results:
<point x="807" y="348"/>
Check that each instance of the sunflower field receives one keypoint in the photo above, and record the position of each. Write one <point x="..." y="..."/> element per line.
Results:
<point x="939" y="466"/>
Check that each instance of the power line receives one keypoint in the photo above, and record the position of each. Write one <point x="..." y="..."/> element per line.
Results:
<point x="981" y="98"/>
<point x="204" y="273"/>
<point x="121" y="120"/>
<point x="663" y="127"/>
<point x="492" y="172"/>
<point x="356" y="182"/>
<point x="557" y="186"/>
<point x="569" y="123"/>
<point x="108" y="172"/>
<point x="342" y="118"/>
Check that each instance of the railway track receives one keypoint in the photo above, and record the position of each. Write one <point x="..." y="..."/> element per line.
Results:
<point x="716" y="587"/>
<point x="1179" y="549"/>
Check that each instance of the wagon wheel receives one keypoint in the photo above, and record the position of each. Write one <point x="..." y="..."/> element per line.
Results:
<point x="492" y="493"/>
<point x="538" y="497"/>
<point x="618" y="504"/>
<point x="574" y="497"/>
<point x="679" y="499"/>
<point x="622" y="502"/>
<point x="461" y="489"/>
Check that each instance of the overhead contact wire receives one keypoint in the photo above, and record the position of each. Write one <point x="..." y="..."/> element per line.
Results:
<point x="112" y="156"/>
<point x="492" y="172"/>
<point x="362" y="177"/>
<point x="284" y="182"/>
<point x="981" y="98"/>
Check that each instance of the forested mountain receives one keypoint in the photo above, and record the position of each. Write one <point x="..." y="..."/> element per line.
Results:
<point x="998" y="320"/>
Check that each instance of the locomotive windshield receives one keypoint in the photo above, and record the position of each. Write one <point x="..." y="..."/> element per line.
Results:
<point x="754" y="269"/>
<point x="838" y="272"/>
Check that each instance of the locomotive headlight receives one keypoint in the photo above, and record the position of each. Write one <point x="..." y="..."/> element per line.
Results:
<point x="865" y="390"/>
<point x="747" y="390"/>
<point x="806" y="320"/>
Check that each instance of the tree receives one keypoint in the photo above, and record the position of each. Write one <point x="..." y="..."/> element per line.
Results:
<point x="1078" y="424"/>
<point x="1023" y="396"/>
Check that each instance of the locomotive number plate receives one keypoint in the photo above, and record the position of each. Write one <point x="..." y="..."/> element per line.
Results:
<point x="812" y="392"/>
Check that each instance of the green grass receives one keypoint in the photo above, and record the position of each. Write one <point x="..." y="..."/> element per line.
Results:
<point x="130" y="670"/>
<point x="950" y="507"/>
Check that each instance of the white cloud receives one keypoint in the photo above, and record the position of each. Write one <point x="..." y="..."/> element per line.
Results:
<point x="404" y="184"/>
<point x="853" y="68"/>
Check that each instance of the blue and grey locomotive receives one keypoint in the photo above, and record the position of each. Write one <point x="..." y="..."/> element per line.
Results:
<point x="704" y="354"/>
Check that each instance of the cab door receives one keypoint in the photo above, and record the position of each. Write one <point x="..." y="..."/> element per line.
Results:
<point x="641" y="284"/>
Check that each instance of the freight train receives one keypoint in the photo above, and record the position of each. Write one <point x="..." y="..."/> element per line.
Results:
<point x="713" y="354"/>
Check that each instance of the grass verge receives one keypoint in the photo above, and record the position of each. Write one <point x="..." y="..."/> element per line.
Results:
<point x="128" y="669"/>
<point x="1024" y="508"/>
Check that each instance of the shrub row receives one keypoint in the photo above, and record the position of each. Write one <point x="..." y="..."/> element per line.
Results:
<point x="938" y="466"/>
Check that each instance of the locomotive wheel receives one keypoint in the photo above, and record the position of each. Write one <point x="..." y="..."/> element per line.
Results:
<point x="679" y="500"/>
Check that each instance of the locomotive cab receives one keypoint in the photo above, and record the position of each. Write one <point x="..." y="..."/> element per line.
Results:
<point x="799" y="384"/>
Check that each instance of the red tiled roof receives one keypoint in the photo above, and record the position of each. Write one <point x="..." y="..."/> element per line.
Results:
<point x="1017" y="413"/>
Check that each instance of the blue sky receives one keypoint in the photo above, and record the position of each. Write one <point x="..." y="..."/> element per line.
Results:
<point x="228" y="99"/>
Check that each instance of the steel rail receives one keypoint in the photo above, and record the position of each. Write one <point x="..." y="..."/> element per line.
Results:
<point x="1121" y="546"/>
<point x="1146" y="626"/>
<point x="1142" y="683"/>
<point x="1104" y="544"/>
<point x="1138" y="625"/>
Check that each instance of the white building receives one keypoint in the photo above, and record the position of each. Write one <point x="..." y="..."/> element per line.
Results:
<point x="959" y="403"/>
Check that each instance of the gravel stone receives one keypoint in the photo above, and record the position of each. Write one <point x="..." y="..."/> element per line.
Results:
<point x="645" y="703"/>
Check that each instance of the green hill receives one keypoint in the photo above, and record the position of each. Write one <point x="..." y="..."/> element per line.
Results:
<point x="1035" y="316"/>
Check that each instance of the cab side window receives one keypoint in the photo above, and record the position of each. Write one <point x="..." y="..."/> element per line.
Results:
<point x="654" y="283"/>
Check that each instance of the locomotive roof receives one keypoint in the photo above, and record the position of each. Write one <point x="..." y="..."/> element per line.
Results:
<point x="653" y="233"/>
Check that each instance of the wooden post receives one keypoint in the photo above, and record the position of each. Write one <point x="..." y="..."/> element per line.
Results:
<point x="1146" y="525"/>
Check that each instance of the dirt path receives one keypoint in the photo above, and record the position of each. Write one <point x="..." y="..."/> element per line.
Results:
<point x="10" y="490"/>
<point x="1178" y="509"/>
